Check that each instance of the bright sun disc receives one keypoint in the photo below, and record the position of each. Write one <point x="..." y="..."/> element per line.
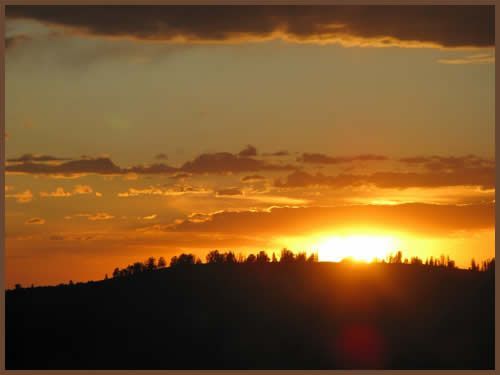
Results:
<point x="359" y="248"/>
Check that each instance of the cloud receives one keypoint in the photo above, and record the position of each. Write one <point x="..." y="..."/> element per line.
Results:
<point x="220" y="162"/>
<point x="253" y="178"/>
<point x="86" y="165"/>
<point x="277" y="153"/>
<point x="158" y="191"/>
<point x="96" y="217"/>
<point x="15" y="40"/>
<point x="225" y="162"/>
<point x="58" y="193"/>
<point x="182" y="175"/>
<point x="409" y="25"/>
<point x="315" y="158"/>
<point x="449" y="163"/>
<point x="74" y="167"/>
<point x="158" y="168"/>
<point x="23" y="197"/>
<point x="35" y="221"/>
<point x="229" y="191"/>
<point x="472" y="59"/>
<point x="149" y="217"/>
<point x="161" y="156"/>
<point x="415" y="217"/>
<point x="82" y="189"/>
<point x="438" y="172"/>
<point x="61" y="193"/>
<point x="248" y="151"/>
<point x="36" y="158"/>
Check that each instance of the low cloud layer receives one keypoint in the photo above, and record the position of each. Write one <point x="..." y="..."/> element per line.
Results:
<point x="225" y="162"/>
<point x="218" y="163"/>
<point x="427" y="172"/>
<point x="448" y="26"/>
<point x="483" y="177"/>
<point x="61" y="193"/>
<point x="21" y="197"/>
<point x="315" y="158"/>
<point x="415" y="217"/>
<point x="36" y="158"/>
<point x="175" y="190"/>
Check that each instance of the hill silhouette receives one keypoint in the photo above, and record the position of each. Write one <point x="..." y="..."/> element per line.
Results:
<point x="258" y="315"/>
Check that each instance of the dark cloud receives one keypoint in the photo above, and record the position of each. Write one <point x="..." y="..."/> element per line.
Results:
<point x="253" y="178"/>
<point x="449" y="163"/>
<point x="225" y="162"/>
<point x="248" y="151"/>
<point x="414" y="217"/>
<point x="277" y="153"/>
<point x="84" y="166"/>
<point x="481" y="176"/>
<point x="15" y="40"/>
<point x="35" y="221"/>
<point x="220" y="162"/>
<point x="161" y="156"/>
<point x="315" y="158"/>
<point x="158" y="168"/>
<point x="449" y="26"/>
<point x="36" y="158"/>
<point x="229" y="191"/>
<point x="303" y="179"/>
<point x="180" y="176"/>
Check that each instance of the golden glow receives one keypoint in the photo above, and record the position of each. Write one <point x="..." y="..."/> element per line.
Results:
<point x="358" y="247"/>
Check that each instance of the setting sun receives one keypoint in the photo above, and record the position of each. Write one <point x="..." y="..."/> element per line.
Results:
<point x="359" y="248"/>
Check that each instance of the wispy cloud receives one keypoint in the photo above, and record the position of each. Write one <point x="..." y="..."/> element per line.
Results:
<point x="99" y="216"/>
<point x="35" y="221"/>
<point x="22" y="197"/>
<point x="471" y="59"/>
<point x="61" y="193"/>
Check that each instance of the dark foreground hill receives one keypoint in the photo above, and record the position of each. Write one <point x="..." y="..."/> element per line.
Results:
<point x="258" y="316"/>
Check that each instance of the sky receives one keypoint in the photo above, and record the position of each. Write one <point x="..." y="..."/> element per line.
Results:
<point x="151" y="131"/>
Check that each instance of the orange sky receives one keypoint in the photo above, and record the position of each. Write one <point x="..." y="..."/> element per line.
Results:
<point x="316" y="130"/>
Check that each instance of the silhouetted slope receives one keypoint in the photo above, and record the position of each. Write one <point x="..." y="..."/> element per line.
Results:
<point x="258" y="316"/>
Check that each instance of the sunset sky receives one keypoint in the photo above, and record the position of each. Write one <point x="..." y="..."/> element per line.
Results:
<point x="139" y="131"/>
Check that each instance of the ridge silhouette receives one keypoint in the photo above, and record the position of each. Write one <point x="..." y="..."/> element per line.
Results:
<point x="236" y="312"/>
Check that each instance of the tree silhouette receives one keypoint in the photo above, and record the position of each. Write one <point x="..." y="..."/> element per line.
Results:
<point x="251" y="258"/>
<point x="312" y="258"/>
<point x="301" y="257"/>
<point x="182" y="260"/>
<point x="287" y="256"/>
<point x="473" y="265"/>
<point x="229" y="257"/>
<point x="150" y="264"/>
<point x="262" y="257"/>
<point x="215" y="257"/>
<point x="137" y="267"/>
<point x="162" y="263"/>
<point x="416" y="261"/>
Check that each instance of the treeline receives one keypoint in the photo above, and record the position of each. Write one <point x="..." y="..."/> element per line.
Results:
<point x="214" y="257"/>
<point x="286" y="256"/>
<point x="442" y="261"/>
<point x="149" y="264"/>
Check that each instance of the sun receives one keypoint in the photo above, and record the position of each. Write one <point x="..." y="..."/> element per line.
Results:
<point x="360" y="248"/>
